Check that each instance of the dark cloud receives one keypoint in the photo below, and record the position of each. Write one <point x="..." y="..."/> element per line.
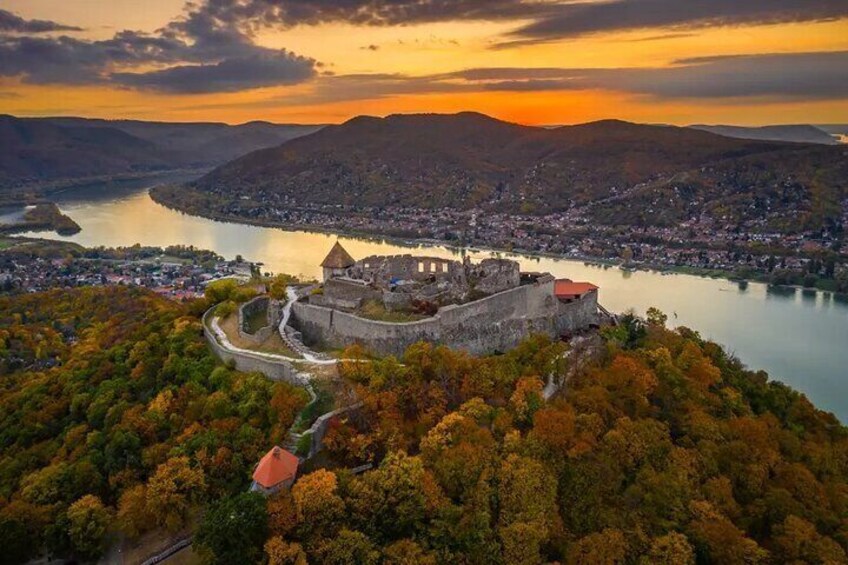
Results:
<point x="573" y="20"/>
<point x="809" y="76"/>
<point x="197" y="53"/>
<point x="229" y="75"/>
<point x="10" y="23"/>
<point x="548" y="19"/>
<point x="368" y="12"/>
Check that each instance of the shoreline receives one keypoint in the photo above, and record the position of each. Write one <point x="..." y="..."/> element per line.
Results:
<point x="715" y="274"/>
<point x="38" y="192"/>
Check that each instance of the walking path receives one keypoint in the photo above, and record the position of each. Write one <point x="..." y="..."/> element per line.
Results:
<point x="309" y="357"/>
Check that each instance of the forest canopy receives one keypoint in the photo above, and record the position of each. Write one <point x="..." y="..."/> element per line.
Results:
<point x="661" y="448"/>
<point x="114" y="412"/>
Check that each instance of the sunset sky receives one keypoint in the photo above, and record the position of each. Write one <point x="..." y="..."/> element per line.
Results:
<point x="531" y="61"/>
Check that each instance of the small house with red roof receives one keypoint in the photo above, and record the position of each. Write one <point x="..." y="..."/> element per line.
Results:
<point x="566" y="290"/>
<point x="275" y="471"/>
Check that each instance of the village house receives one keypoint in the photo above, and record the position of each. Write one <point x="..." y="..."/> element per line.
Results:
<point x="276" y="470"/>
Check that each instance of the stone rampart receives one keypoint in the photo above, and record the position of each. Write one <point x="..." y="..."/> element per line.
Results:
<point x="276" y="369"/>
<point x="257" y="307"/>
<point x="495" y="323"/>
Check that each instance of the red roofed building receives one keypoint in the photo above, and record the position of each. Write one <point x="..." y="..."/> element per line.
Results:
<point x="567" y="290"/>
<point x="276" y="470"/>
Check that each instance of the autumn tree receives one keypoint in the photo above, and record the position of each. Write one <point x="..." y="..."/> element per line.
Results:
<point x="670" y="549"/>
<point x="608" y="547"/>
<point x="280" y="552"/>
<point x="172" y="491"/>
<point x="88" y="523"/>
<point x="318" y="504"/>
<point x="389" y="503"/>
<point x="348" y="547"/>
<point x="407" y="552"/>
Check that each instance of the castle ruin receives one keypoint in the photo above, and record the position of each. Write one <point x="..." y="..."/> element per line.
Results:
<point x="482" y="307"/>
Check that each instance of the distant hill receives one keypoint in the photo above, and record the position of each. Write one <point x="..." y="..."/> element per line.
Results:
<point x="790" y="133"/>
<point x="200" y="143"/>
<point x="36" y="150"/>
<point x="470" y="160"/>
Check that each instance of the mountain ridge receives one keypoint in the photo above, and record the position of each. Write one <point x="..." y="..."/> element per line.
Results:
<point x="469" y="159"/>
<point x="66" y="148"/>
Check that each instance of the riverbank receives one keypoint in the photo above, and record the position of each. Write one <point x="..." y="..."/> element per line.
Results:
<point x="36" y="192"/>
<point x="43" y="217"/>
<point x="164" y="196"/>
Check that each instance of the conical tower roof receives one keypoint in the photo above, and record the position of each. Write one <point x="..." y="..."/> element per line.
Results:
<point x="338" y="258"/>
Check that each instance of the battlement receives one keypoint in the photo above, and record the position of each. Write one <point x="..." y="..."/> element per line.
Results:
<point x="483" y="308"/>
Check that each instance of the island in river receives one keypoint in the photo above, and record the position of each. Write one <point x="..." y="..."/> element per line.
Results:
<point x="42" y="217"/>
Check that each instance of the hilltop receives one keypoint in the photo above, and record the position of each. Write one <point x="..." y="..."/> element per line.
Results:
<point x="471" y="161"/>
<point x="52" y="150"/>
<point x="800" y="133"/>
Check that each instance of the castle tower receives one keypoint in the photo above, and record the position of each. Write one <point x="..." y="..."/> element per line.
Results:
<point x="337" y="262"/>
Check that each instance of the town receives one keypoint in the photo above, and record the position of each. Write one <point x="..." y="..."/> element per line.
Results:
<point x="701" y="245"/>
<point x="176" y="272"/>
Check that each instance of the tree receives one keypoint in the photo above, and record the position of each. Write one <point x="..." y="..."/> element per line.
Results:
<point x="349" y="547"/>
<point x="278" y="285"/>
<point x="134" y="517"/>
<point x="172" y="490"/>
<point x="282" y="513"/>
<point x="88" y="522"/>
<point x="407" y="552"/>
<point x="608" y="547"/>
<point x="656" y="317"/>
<point x="389" y="503"/>
<point x="719" y="540"/>
<point x="319" y="507"/>
<point x="21" y="525"/>
<point x="526" y="492"/>
<point x="799" y="541"/>
<point x="521" y="542"/>
<point x="233" y="530"/>
<point x="281" y="552"/>
<point x="526" y="399"/>
<point x="671" y="549"/>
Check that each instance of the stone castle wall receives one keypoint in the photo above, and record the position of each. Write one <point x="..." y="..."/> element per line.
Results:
<point x="259" y="305"/>
<point x="495" y="323"/>
<point x="248" y="362"/>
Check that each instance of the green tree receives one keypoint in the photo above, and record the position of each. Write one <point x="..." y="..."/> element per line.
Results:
<point x="88" y="523"/>
<point x="349" y="547"/>
<point x="234" y="530"/>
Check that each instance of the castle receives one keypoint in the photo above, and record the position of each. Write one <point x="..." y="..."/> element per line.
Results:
<point x="387" y="303"/>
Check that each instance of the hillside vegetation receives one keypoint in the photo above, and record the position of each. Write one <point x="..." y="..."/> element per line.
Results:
<point x="469" y="160"/>
<point x="115" y="417"/>
<point x="52" y="150"/>
<point x="662" y="449"/>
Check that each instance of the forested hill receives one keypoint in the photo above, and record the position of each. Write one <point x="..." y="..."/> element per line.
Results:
<point x="116" y="420"/>
<point x="471" y="160"/>
<point x="38" y="150"/>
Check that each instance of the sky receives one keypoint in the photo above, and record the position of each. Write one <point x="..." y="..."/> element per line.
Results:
<point x="542" y="62"/>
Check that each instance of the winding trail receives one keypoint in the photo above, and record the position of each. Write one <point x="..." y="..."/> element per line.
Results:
<point x="309" y="357"/>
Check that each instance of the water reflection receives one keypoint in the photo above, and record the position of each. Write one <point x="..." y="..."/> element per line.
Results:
<point x="799" y="339"/>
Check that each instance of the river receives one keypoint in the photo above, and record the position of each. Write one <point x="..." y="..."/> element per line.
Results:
<point x="799" y="337"/>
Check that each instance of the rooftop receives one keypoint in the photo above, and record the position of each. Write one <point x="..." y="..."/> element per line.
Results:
<point x="276" y="466"/>
<point x="566" y="288"/>
<point x="338" y="258"/>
